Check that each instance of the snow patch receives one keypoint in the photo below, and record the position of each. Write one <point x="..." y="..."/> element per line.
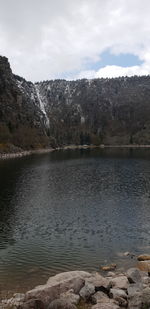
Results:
<point x="42" y="106"/>
<point x="19" y="84"/>
<point x="82" y="120"/>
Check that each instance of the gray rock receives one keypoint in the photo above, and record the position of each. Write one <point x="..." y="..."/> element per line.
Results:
<point x="106" y="305"/>
<point x="146" y="296"/>
<point x="114" y="293"/>
<point x="99" y="297"/>
<point x="61" y="304"/>
<point x="122" y="302"/>
<point x="135" y="301"/>
<point x="146" y="280"/>
<point x="120" y="282"/>
<point x="111" y="274"/>
<point x="134" y="288"/>
<point x="32" y="304"/>
<point x="135" y="295"/>
<point x="71" y="297"/>
<point x="87" y="291"/>
<point x="99" y="281"/>
<point x="57" y="285"/>
<point x="133" y="275"/>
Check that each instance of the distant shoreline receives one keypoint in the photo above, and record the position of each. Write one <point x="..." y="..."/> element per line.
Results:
<point x="69" y="147"/>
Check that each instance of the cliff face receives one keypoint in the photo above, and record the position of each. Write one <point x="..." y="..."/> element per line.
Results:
<point x="109" y="111"/>
<point x="21" y="119"/>
<point x="98" y="111"/>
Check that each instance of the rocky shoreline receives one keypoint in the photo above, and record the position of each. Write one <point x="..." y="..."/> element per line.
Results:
<point x="69" y="147"/>
<point x="42" y="151"/>
<point x="24" y="153"/>
<point x="84" y="290"/>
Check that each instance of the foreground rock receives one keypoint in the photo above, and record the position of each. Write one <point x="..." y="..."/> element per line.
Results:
<point x="70" y="297"/>
<point x="57" y="285"/>
<point x="146" y="296"/>
<point x="144" y="266"/>
<point x="99" y="297"/>
<point x="133" y="275"/>
<point x="120" y="282"/>
<point x="143" y="257"/>
<point x="87" y="291"/>
<point x="61" y="304"/>
<point x="109" y="304"/>
<point x="99" y="281"/>
<point x="68" y="290"/>
<point x="109" y="267"/>
<point x="115" y="293"/>
<point x="32" y="304"/>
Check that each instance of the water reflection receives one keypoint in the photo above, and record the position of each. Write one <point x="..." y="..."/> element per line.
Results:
<point x="71" y="209"/>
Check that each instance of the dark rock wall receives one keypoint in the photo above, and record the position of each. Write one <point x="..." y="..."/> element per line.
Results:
<point x="60" y="112"/>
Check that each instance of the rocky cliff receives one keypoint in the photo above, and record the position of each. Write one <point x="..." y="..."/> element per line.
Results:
<point x="60" y="112"/>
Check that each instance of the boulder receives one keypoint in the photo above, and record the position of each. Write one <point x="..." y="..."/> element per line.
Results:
<point x="98" y="281"/>
<point x="32" y="304"/>
<point x="134" y="288"/>
<point x="146" y="296"/>
<point x="61" y="304"/>
<point x="114" y="293"/>
<point x="103" y="301"/>
<point x="122" y="302"/>
<point x="144" y="273"/>
<point x="111" y="274"/>
<point x="71" y="297"/>
<point x="146" y="280"/>
<point x="120" y="282"/>
<point x="135" y="295"/>
<point x="144" y="265"/>
<point x="99" y="297"/>
<point x="87" y="291"/>
<point x="107" y="305"/>
<point x="133" y="275"/>
<point x="143" y="257"/>
<point x="57" y="285"/>
<point x="135" y="301"/>
<point x="109" y="267"/>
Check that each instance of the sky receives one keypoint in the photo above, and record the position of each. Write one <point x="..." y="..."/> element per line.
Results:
<point x="75" y="39"/>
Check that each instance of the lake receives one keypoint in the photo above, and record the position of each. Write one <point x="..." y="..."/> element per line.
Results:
<point x="72" y="210"/>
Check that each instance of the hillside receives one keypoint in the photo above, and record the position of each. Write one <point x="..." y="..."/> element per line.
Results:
<point x="59" y="112"/>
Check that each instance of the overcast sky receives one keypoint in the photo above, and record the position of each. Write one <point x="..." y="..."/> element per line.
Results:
<point x="48" y="39"/>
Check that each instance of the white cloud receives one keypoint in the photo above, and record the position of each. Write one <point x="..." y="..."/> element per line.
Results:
<point x="44" y="39"/>
<point x="114" y="71"/>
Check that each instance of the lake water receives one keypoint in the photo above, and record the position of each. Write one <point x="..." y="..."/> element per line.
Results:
<point x="71" y="210"/>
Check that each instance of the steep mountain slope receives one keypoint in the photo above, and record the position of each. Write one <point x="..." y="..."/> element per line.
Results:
<point x="109" y="111"/>
<point x="60" y="112"/>
<point x="21" y="119"/>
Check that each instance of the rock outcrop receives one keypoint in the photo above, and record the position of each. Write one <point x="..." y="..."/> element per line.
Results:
<point x="57" y="285"/>
<point x="21" y="119"/>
